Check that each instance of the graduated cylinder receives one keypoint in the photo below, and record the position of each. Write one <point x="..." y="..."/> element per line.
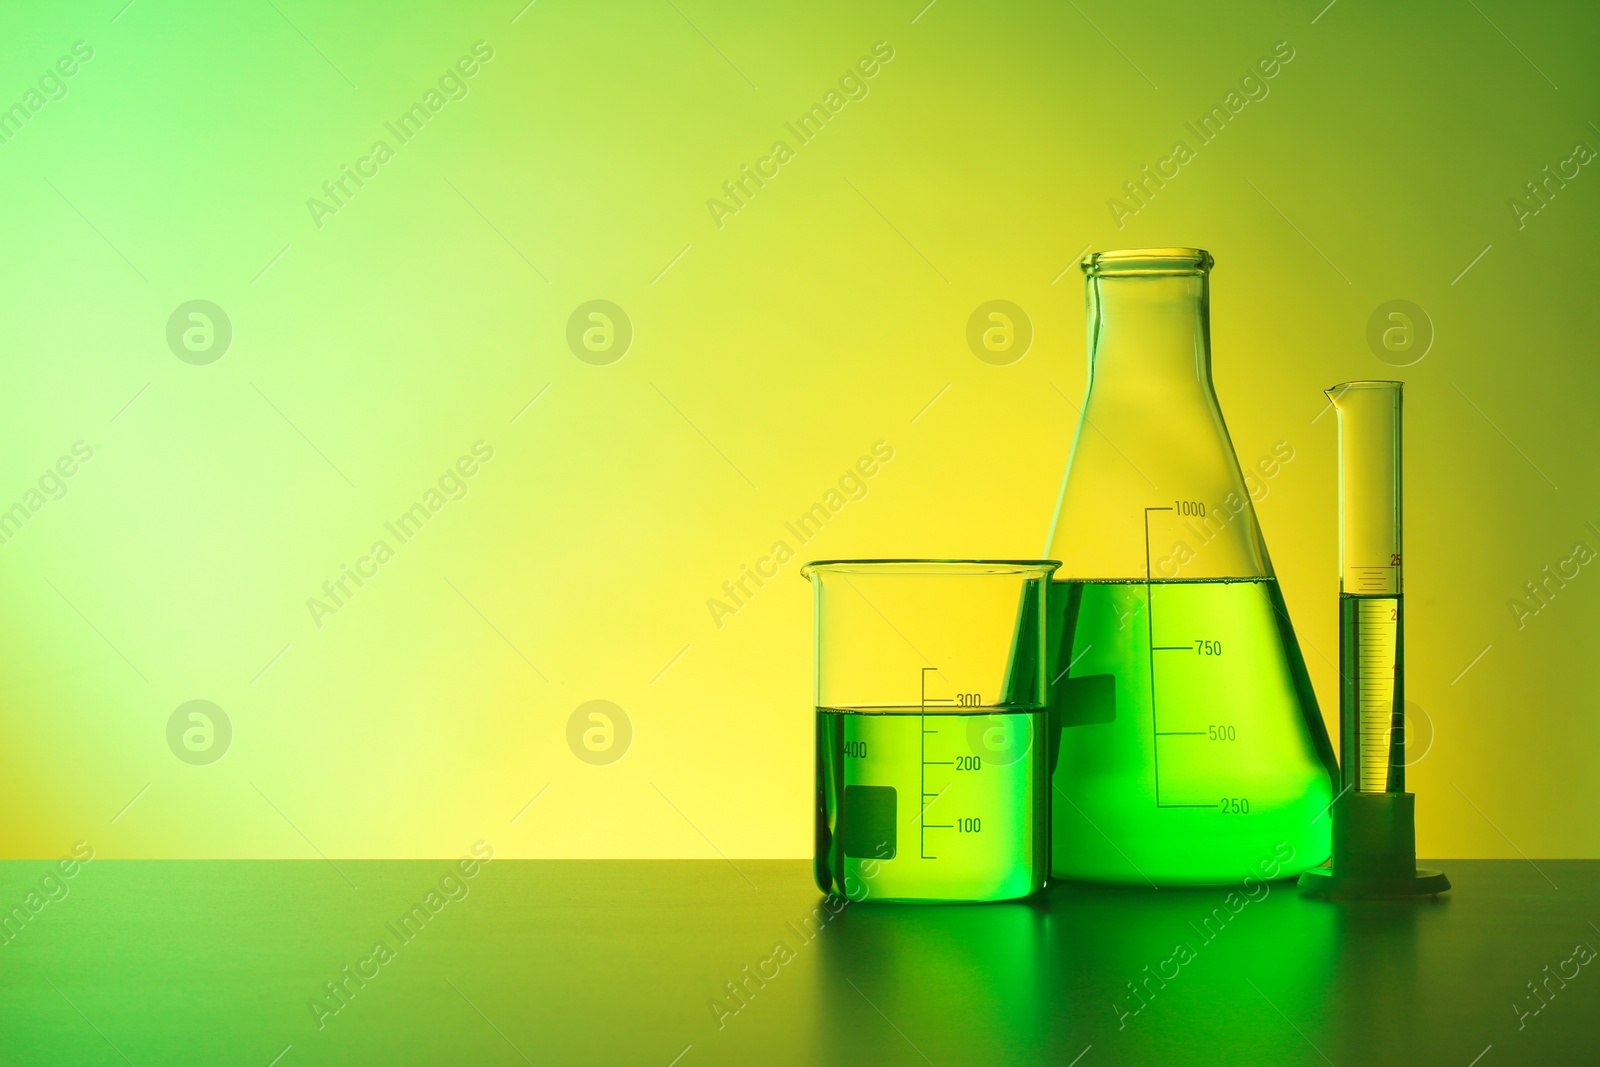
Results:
<point x="1374" y="818"/>
<point x="1371" y="609"/>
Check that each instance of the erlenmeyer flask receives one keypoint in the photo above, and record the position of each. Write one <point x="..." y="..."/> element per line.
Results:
<point x="1189" y="748"/>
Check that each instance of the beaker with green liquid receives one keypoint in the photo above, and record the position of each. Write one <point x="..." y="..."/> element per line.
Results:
<point x="1186" y="742"/>
<point x="932" y="782"/>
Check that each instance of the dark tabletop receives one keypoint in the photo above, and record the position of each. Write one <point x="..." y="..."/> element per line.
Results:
<point x="699" y="962"/>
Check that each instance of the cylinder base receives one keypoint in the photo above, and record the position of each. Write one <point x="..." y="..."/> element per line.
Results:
<point x="1374" y="852"/>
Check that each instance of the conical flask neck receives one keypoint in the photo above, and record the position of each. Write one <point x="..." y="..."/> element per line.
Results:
<point x="1155" y="329"/>
<point x="1153" y="489"/>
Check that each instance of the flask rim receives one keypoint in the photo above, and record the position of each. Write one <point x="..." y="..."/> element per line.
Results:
<point x="1147" y="261"/>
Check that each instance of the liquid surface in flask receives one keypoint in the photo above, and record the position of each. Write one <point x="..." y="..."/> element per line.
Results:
<point x="942" y="805"/>
<point x="1186" y="742"/>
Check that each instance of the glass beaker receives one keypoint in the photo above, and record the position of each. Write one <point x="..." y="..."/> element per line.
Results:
<point x="931" y="771"/>
<point x="1187" y="746"/>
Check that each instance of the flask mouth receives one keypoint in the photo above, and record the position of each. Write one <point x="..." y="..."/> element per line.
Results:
<point x="1147" y="261"/>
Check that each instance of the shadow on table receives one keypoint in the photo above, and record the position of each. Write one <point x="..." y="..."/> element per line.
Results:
<point x="1220" y="974"/>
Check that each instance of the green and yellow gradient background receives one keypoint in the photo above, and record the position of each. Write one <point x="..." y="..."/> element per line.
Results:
<point x="772" y="354"/>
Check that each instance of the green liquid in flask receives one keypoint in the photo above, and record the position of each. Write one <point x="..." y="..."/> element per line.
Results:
<point x="1184" y="750"/>
<point x="947" y="805"/>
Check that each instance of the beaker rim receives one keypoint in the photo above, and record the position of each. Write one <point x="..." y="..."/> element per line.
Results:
<point x="931" y="566"/>
<point x="1136" y="261"/>
<point x="1364" y="383"/>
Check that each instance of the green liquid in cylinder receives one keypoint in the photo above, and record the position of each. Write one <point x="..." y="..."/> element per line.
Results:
<point x="1372" y="696"/>
<point x="1186" y="744"/>
<point x="947" y="805"/>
